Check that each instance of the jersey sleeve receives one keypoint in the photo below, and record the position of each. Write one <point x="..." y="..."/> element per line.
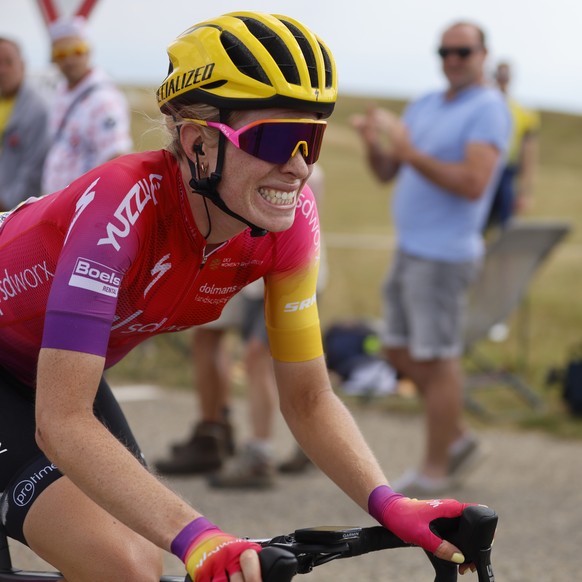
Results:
<point x="291" y="311"/>
<point x="100" y="245"/>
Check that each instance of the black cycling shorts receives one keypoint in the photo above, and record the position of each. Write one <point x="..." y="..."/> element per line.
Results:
<point x="25" y="471"/>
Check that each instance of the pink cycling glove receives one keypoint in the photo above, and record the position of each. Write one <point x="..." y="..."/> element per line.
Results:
<point x="208" y="552"/>
<point x="409" y="518"/>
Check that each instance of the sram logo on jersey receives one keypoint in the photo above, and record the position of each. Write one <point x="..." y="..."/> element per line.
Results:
<point x="300" y="305"/>
<point x="96" y="277"/>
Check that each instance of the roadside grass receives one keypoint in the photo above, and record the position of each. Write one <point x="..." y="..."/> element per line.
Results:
<point x="357" y="229"/>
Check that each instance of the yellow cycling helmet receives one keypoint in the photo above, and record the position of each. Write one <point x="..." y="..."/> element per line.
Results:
<point x="250" y="60"/>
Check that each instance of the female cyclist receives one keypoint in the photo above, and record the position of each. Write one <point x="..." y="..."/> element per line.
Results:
<point x="157" y="242"/>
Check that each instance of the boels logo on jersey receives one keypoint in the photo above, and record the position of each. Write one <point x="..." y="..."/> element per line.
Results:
<point x="94" y="276"/>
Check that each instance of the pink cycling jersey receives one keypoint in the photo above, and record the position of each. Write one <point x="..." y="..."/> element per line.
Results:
<point x="116" y="258"/>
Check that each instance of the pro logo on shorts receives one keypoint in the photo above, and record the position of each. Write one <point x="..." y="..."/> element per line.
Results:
<point x="24" y="491"/>
<point x="96" y="277"/>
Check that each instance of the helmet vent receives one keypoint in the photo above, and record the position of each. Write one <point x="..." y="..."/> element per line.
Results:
<point x="307" y="52"/>
<point x="242" y="57"/>
<point x="328" y="67"/>
<point x="276" y="47"/>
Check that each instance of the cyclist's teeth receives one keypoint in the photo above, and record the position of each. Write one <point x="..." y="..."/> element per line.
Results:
<point x="277" y="197"/>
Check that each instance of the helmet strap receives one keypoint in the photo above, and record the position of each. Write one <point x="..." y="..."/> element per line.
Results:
<point x="208" y="187"/>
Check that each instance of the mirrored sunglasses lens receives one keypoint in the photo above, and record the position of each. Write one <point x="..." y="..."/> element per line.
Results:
<point x="276" y="142"/>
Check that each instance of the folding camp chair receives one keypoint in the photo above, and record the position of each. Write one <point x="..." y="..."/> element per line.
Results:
<point x="510" y="263"/>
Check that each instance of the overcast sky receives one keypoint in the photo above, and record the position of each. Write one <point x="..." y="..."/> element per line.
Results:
<point x="382" y="47"/>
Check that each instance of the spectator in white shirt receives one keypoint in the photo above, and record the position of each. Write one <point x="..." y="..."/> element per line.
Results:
<point x="90" y="121"/>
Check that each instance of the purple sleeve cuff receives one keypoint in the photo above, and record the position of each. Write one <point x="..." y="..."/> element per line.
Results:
<point x="188" y="535"/>
<point x="379" y="499"/>
<point x="75" y="332"/>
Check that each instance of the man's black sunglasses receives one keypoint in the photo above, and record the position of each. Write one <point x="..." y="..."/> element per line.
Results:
<point x="461" y="51"/>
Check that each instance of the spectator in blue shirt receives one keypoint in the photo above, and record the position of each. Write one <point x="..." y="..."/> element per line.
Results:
<point x="446" y="153"/>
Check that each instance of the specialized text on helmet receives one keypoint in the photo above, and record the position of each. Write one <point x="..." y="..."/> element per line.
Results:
<point x="187" y="79"/>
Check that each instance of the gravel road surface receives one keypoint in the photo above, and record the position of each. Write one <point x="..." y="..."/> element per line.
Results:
<point x="533" y="481"/>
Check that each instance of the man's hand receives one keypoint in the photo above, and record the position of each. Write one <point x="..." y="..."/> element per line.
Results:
<point x="383" y="132"/>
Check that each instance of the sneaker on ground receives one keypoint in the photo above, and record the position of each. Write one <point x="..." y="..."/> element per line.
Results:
<point x="414" y="484"/>
<point x="251" y="469"/>
<point x="373" y="377"/>
<point x="205" y="451"/>
<point x="465" y="454"/>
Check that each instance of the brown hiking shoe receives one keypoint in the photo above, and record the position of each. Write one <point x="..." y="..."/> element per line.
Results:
<point x="204" y="451"/>
<point x="229" y="443"/>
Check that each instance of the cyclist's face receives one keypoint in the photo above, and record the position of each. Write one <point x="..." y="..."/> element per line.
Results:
<point x="265" y="193"/>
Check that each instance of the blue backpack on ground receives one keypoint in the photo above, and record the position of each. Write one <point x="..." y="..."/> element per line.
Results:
<point x="353" y="351"/>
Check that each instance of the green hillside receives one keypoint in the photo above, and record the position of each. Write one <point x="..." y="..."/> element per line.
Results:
<point x="357" y="227"/>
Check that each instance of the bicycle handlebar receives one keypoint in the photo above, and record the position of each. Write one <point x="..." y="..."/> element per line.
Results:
<point x="285" y="556"/>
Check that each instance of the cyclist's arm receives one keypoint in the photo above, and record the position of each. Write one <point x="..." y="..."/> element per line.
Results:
<point x="329" y="435"/>
<point x="91" y="457"/>
<point x="325" y="429"/>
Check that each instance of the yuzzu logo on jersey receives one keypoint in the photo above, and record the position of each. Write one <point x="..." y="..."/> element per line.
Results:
<point x="96" y="277"/>
<point x="130" y="210"/>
